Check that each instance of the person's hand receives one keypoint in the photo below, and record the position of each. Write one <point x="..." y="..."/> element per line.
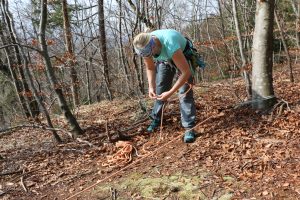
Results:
<point x="152" y="93"/>
<point x="164" y="96"/>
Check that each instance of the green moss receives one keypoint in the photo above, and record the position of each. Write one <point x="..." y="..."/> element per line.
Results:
<point x="228" y="178"/>
<point x="226" y="196"/>
<point x="183" y="186"/>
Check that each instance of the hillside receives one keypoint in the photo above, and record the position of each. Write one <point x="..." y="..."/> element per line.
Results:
<point x="239" y="153"/>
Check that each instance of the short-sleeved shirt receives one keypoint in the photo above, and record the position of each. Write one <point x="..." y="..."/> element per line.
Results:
<point x="171" y="41"/>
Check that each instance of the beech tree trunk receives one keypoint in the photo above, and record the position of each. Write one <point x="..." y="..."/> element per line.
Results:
<point x="262" y="78"/>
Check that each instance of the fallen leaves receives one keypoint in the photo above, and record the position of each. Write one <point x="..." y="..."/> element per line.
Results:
<point x="261" y="154"/>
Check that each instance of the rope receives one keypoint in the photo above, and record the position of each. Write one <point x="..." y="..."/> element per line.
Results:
<point x="122" y="157"/>
<point x="141" y="158"/>
<point x="166" y="103"/>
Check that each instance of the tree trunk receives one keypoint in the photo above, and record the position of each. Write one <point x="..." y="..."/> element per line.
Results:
<point x="141" y="15"/>
<point x="76" y="130"/>
<point x="70" y="52"/>
<point x="262" y="78"/>
<point x="14" y="77"/>
<point x="209" y="38"/>
<point x="103" y="48"/>
<point x="157" y="15"/>
<point x="244" y="62"/>
<point x="124" y="61"/>
<point x="2" y="119"/>
<point x="296" y="8"/>
<point x="37" y="96"/>
<point x="32" y="105"/>
<point x="289" y="62"/>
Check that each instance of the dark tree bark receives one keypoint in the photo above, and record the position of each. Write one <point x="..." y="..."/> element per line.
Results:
<point x="244" y="61"/>
<point x="76" y="130"/>
<point x="31" y="104"/>
<point x="70" y="52"/>
<point x="289" y="62"/>
<point x="104" y="48"/>
<point x="296" y="8"/>
<point x="37" y="96"/>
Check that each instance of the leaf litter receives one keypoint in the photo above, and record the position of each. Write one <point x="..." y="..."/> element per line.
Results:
<point x="242" y="154"/>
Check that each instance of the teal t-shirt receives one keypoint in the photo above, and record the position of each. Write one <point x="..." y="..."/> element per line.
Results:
<point x="171" y="41"/>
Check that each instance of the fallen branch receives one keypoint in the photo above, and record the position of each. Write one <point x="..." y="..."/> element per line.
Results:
<point x="10" y="129"/>
<point x="4" y="132"/>
<point x="86" y="142"/>
<point x="15" y="178"/>
<point x="23" y="185"/>
<point x="10" y="173"/>
<point x="107" y="132"/>
<point x="22" y="182"/>
<point x="136" y="124"/>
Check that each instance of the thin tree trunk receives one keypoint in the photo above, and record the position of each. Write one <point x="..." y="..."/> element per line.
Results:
<point x="76" y="130"/>
<point x="103" y="48"/>
<point x="31" y="103"/>
<point x="157" y="15"/>
<point x="141" y="15"/>
<point x="124" y="62"/>
<point x="296" y="8"/>
<point x="244" y="62"/>
<point x="134" y="57"/>
<point x="209" y="38"/>
<point x="285" y="47"/>
<point x="38" y="97"/>
<point x="262" y="78"/>
<point x="227" y="59"/>
<point x="70" y="52"/>
<point x="2" y="119"/>
<point x="14" y="77"/>
<point x="88" y="82"/>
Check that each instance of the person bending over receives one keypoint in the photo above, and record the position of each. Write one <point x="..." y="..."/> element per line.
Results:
<point x="163" y="54"/>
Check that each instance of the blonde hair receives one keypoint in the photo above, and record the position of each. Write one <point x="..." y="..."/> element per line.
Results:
<point x="141" y="40"/>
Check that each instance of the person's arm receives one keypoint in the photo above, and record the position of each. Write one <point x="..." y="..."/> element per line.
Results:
<point x="151" y="74"/>
<point x="182" y="64"/>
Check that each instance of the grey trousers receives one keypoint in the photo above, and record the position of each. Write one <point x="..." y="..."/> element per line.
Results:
<point x="164" y="79"/>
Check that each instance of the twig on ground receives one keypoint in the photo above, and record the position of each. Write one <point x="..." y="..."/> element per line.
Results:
<point x="136" y="124"/>
<point x="22" y="182"/>
<point x="10" y="173"/>
<point x="7" y="131"/>
<point x="10" y="129"/>
<point x="106" y="130"/>
<point x="86" y="142"/>
<point x="23" y="174"/>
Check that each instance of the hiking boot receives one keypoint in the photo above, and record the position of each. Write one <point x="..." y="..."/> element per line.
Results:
<point x="189" y="136"/>
<point x="154" y="124"/>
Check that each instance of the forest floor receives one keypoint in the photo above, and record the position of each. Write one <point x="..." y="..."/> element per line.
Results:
<point x="239" y="153"/>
